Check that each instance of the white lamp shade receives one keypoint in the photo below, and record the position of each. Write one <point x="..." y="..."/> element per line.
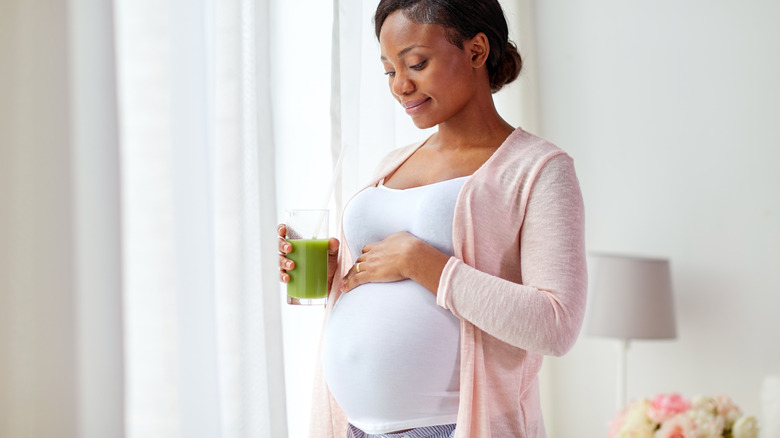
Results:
<point x="631" y="298"/>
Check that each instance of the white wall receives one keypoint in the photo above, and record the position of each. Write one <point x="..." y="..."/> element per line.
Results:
<point x="671" y="112"/>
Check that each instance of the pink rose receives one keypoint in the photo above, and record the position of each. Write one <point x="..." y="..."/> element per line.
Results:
<point x="666" y="406"/>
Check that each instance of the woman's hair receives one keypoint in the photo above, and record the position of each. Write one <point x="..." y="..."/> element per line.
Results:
<point x="463" y="19"/>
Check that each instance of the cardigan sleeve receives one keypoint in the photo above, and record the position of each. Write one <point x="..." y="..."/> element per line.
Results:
<point x="543" y="314"/>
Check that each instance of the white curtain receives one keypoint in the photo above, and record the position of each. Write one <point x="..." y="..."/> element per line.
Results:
<point x="138" y="290"/>
<point x="202" y="310"/>
<point x="368" y="122"/>
<point x="60" y="289"/>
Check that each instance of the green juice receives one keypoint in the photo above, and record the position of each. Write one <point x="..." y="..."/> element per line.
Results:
<point x="309" y="277"/>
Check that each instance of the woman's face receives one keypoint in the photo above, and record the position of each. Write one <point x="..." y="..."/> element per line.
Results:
<point x="432" y="78"/>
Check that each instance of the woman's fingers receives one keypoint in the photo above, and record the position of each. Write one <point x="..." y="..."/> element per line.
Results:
<point x="333" y="246"/>
<point x="285" y="264"/>
<point x="350" y="281"/>
<point x="356" y="275"/>
<point x="284" y="246"/>
<point x="333" y="253"/>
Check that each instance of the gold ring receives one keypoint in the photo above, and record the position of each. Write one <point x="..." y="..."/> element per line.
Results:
<point x="357" y="268"/>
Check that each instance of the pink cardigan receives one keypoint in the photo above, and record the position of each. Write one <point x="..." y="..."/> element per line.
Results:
<point x="518" y="283"/>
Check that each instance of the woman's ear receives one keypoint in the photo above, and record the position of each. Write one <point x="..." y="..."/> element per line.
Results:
<point x="479" y="48"/>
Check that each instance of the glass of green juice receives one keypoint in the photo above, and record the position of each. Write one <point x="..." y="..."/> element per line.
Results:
<point x="307" y="232"/>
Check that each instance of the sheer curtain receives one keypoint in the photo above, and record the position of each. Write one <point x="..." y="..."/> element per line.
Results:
<point x="60" y="296"/>
<point x="367" y="121"/>
<point x="201" y="304"/>
<point x="138" y="294"/>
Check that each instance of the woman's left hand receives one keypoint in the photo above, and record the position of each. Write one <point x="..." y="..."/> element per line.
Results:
<point x="398" y="257"/>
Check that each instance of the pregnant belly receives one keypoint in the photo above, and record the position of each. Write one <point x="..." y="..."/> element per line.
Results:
<point x="391" y="357"/>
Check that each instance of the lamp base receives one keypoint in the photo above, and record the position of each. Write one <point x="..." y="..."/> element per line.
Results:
<point x="622" y="351"/>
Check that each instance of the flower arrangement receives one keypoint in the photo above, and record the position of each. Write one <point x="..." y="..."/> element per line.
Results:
<point x="673" y="416"/>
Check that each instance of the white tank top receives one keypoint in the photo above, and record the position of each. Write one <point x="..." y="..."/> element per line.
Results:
<point x="390" y="354"/>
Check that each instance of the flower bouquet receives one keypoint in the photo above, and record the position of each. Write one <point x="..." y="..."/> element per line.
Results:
<point x="672" y="416"/>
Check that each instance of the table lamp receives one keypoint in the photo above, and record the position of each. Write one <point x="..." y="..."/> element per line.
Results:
<point x="631" y="298"/>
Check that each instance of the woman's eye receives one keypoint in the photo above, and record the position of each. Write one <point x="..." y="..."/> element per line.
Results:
<point x="390" y="73"/>
<point x="418" y="66"/>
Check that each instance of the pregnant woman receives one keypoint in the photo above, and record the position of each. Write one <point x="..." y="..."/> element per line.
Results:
<point x="461" y="264"/>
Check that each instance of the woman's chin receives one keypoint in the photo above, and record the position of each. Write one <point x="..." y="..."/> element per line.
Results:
<point x="423" y="124"/>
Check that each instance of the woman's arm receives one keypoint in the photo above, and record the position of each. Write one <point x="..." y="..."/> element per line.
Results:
<point x="544" y="314"/>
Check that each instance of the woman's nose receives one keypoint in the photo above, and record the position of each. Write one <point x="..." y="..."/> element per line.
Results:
<point x="402" y="84"/>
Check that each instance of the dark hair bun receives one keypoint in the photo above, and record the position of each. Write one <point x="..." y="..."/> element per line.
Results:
<point x="507" y="69"/>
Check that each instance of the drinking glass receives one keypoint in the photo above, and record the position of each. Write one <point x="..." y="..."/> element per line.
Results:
<point x="307" y="232"/>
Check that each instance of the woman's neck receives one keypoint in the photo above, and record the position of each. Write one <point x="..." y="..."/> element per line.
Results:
<point x="481" y="126"/>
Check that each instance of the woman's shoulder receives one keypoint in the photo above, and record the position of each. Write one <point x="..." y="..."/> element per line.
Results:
<point x="523" y="144"/>
<point x="522" y="151"/>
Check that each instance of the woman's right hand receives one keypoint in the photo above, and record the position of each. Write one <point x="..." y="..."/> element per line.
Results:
<point x="286" y="264"/>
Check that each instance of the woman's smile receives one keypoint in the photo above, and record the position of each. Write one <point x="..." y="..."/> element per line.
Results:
<point x="415" y="106"/>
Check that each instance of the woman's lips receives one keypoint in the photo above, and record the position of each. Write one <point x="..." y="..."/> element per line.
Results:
<point x="414" y="106"/>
